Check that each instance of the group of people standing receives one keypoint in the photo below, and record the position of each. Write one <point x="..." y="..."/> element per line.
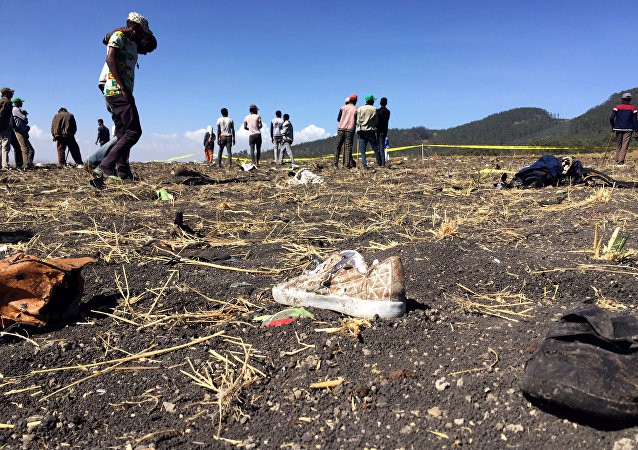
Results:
<point x="14" y="131"/>
<point x="281" y="135"/>
<point x="373" y="129"/>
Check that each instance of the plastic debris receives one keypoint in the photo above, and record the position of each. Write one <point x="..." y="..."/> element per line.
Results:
<point x="304" y="176"/>
<point x="35" y="291"/>
<point x="164" y="195"/>
<point x="283" y="317"/>
<point x="280" y="322"/>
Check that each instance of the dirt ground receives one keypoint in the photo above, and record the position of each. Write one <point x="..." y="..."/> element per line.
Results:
<point x="167" y="354"/>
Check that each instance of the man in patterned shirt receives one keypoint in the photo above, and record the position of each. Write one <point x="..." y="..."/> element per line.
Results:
<point x="121" y="59"/>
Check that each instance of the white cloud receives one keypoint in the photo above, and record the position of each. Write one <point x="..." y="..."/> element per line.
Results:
<point x="36" y="132"/>
<point x="172" y="136"/>
<point x="310" y="133"/>
<point x="196" y="135"/>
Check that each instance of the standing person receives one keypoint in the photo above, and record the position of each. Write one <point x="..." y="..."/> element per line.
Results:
<point x="5" y="124"/>
<point x="386" y="147"/>
<point x="252" y="123"/>
<point x="347" y="120"/>
<point x="209" y="144"/>
<point x="103" y="135"/>
<point x="275" y="134"/>
<point x="121" y="59"/>
<point x="225" y="137"/>
<point x="288" y="136"/>
<point x="21" y="130"/>
<point x="383" y="119"/>
<point x="367" y="123"/>
<point x="147" y="44"/>
<point x="63" y="129"/>
<point x="624" y="121"/>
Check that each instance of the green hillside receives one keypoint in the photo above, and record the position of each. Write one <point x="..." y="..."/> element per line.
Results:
<point x="515" y="126"/>
<point x="591" y="128"/>
<point x="518" y="126"/>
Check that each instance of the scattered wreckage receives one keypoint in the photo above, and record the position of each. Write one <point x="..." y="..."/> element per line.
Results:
<point x="549" y="170"/>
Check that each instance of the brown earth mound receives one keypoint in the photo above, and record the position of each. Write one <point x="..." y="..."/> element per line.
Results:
<point x="166" y="353"/>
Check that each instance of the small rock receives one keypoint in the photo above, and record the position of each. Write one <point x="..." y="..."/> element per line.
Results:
<point x="406" y="429"/>
<point x="459" y="422"/>
<point x="168" y="407"/>
<point x="459" y="383"/>
<point x="306" y="437"/>
<point x="435" y="411"/>
<point x="515" y="428"/>
<point x="441" y="384"/>
<point x="624" y="444"/>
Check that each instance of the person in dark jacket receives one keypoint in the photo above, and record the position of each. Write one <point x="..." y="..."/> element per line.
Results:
<point x="383" y="118"/>
<point x="5" y="124"/>
<point x="288" y="136"/>
<point x="63" y="128"/>
<point x="624" y="121"/>
<point x="209" y="144"/>
<point x="103" y="134"/>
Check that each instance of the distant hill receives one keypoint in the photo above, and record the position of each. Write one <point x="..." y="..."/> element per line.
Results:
<point x="515" y="126"/>
<point x="591" y="128"/>
<point x="518" y="126"/>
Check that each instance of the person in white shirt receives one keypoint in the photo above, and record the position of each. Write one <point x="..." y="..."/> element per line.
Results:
<point x="225" y="137"/>
<point x="275" y="134"/>
<point x="253" y="124"/>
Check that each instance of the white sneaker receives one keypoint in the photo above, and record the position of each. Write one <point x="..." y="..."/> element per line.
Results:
<point x="344" y="283"/>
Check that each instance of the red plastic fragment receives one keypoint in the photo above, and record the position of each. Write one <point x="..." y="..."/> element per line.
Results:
<point x="280" y="322"/>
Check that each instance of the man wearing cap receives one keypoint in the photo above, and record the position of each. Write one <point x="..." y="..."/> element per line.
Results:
<point x="5" y="124"/>
<point x="347" y="120"/>
<point x="252" y="123"/>
<point x="63" y="129"/>
<point x="121" y="59"/>
<point x="367" y="123"/>
<point x="21" y="130"/>
<point x="624" y="121"/>
<point x="225" y="137"/>
<point x="275" y="135"/>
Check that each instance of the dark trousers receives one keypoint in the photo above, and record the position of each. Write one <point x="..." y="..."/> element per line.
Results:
<point x="225" y="141"/>
<point x="344" y="137"/>
<point x="128" y="131"/>
<point x="254" y="140"/>
<point x="64" y="142"/>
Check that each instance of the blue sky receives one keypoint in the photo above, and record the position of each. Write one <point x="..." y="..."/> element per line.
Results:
<point x="440" y="64"/>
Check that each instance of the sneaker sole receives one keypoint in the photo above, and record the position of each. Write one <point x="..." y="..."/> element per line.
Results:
<point x="351" y="306"/>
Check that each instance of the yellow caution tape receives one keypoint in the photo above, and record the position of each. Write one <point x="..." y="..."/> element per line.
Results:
<point x="512" y="147"/>
<point x="426" y="146"/>
<point x="175" y="158"/>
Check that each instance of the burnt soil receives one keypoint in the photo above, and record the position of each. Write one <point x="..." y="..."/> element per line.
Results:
<point x="446" y="374"/>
